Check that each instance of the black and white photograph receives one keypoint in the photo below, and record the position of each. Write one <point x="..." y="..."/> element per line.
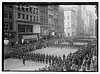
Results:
<point x="50" y="37"/>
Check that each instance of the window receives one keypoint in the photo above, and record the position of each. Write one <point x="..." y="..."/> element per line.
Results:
<point x="19" y="15"/>
<point x="27" y="8"/>
<point x="68" y="17"/>
<point x="33" y="10"/>
<point x="29" y="28"/>
<point x="68" y="22"/>
<point x="21" y="28"/>
<point x="23" y="9"/>
<point x="26" y="17"/>
<point x="30" y="18"/>
<point x="33" y="18"/>
<point x="12" y="36"/>
<point x="36" y="10"/>
<point x="5" y="15"/>
<point x="10" y="26"/>
<point x="19" y="8"/>
<point x="5" y="35"/>
<point x="30" y="9"/>
<point x="37" y="19"/>
<point x="10" y="15"/>
<point x="68" y="27"/>
<point x="5" y="26"/>
<point x="23" y="16"/>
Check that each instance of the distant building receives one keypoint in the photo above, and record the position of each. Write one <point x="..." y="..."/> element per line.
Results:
<point x="90" y="24"/>
<point x="70" y="22"/>
<point x="84" y="18"/>
<point x="49" y="16"/>
<point x="80" y="22"/>
<point x="61" y="21"/>
<point x="88" y="18"/>
<point x="96" y="21"/>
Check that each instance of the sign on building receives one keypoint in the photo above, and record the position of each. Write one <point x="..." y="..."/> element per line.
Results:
<point x="36" y="28"/>
<point x="29" y="36"/>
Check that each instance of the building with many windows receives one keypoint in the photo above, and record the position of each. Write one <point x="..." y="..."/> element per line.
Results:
<point x="44" y="27"/>
<point x="9" y="26"/>
<point x="53" y="17"/>
<point x="27" y="21"/>
<point x="61" y="21"/>
<point x="70" y="22"/>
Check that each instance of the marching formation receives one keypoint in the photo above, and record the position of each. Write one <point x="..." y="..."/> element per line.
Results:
<point x="82" y="60"/>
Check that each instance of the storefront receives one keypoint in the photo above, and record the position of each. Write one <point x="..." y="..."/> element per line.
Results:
<point x="28" y="38"/>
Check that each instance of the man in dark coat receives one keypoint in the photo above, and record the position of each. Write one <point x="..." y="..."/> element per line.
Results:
<point x="46" y="58"/>
<point x="64" y="56"/>
<point x="24" y="61"/>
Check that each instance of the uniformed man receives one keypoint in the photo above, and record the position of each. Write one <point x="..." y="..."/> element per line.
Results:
<point x="43" y="58"/>
<point x="60" y="60"/>
<point x="39" y="57"/>
<point x="49" y="59"/>
<point x="46" y="58"/>
<point x="64" y="56"/>
<point x="52" y="59"/>
<point x="55" y="59"/>
<point x="23" y="61"/>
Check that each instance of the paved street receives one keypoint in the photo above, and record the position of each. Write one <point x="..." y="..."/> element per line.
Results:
<point x="16" y="64"/>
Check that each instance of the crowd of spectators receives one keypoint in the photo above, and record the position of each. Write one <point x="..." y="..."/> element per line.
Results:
<point x="85" y="59"/>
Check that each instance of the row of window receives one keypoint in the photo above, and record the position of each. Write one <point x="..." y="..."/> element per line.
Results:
<point x="8" y="26"/>
<point x="28" y="9"/>
<point x="27" y="17"/>
<point x="8" y="15"/>
<point x="25" y="28"/>
<point x="11" y="36"/>
<point x="9" y="6"/>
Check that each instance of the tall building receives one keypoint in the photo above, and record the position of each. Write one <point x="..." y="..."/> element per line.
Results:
<point x="53" y="17"/>
<point x="61" y="21"/>
<point x="80" y="23"/>
<point x="70" y="22"/>
<point x="88" y="18"/>
<point x="27" y="21"/>
<point x="90" y="24"/>
<point x="96" y="21"/>
<point x="84" y="18"/>
<point x="56" y="21"/>
<point x="44" y="27"/>
<point x="9" y="30"/>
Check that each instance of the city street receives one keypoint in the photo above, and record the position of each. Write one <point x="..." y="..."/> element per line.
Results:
<point x="16" y="64"/>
